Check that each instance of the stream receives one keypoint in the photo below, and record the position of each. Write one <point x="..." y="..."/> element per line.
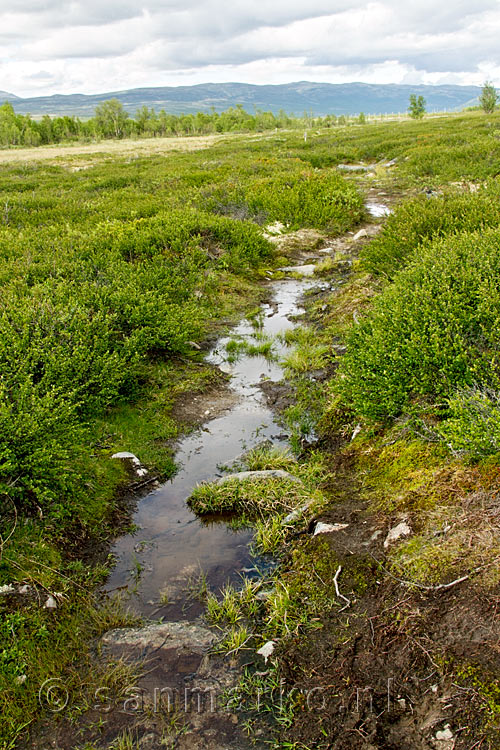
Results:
<point x="171" y="547"/>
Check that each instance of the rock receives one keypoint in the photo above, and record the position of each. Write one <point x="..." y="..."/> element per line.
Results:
<point x="376" y="535"/>
<point x="50" y="603"/>
<point x="7" y="589"/>
<point x="402" y="529"/>
<point x="378" y="209"/>
<point x="177" y="648"/>
<point x="305" y="270"/>
<point x="140" y="470"/>
<point x="242" y="476"/>
<point x="24" y="590"/>
<point x="274" y="229"/>
<point x="267" y="650"/>
<point x="445" y="734"/>
<point x="360" y="234"/>
<point x="194" y="345"/>
<point x="327" y="528"/>
<point x="296" y="514"/>
<point x="125" y="455"/>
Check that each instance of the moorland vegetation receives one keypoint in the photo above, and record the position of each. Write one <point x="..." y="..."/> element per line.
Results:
<point x="112" y="268"/>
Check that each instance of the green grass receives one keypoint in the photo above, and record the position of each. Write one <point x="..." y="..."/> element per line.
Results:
<point x="106" y="276"/>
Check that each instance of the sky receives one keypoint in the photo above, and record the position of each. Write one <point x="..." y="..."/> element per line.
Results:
<point x="96" y="46"/>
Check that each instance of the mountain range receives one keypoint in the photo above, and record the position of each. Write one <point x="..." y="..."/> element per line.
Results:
<point x="296" y="98"/>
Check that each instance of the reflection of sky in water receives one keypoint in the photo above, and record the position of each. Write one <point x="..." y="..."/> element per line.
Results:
<point x="171" y="543"/>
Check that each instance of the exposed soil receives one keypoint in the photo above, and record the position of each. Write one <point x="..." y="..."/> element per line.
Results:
<point x="193" y="409"/>
<point x="372" y="667"/>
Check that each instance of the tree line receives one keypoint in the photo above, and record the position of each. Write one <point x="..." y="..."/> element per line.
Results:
<point x="111" y="120"/>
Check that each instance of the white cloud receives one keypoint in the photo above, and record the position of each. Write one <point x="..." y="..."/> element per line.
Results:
<point x="63" y="46"/>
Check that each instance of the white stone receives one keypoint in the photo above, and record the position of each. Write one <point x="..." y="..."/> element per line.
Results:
<point x="24" y="589"/>
<point x="266" y="650"/>
<point x="305" y="270"/>
<point x="402" y="529"/>
<point x="50" y="603"/>
<point x="445" y="734"/>
<point x="360" y="234"/>
<point x="126" y="455"/>
<point x="276" y="228"/>
<point x="326" y="528"/>
<point x="7" y="589"/>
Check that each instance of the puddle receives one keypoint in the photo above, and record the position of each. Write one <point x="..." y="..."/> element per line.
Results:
<point x="377" y="210"/>
<point x="354" y="167"/>
<point x="172" y="545"/>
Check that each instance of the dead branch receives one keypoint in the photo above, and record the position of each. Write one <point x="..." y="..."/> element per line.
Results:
<point x="337" y="590"/>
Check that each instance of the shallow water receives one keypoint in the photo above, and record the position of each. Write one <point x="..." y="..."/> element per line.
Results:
<point x="377" y="210"/>
<point x="172" y="546"/>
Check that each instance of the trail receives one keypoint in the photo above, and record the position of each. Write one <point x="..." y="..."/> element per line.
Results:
<point x="177" y="700"/>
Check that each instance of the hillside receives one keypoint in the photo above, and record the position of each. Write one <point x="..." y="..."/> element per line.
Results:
<point x="318" y="98"/>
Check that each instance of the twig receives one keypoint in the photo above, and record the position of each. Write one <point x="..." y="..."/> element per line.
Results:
<point x="439" y="587"/>
<point x="337" y="590"/>
<point x="137" y="485"/>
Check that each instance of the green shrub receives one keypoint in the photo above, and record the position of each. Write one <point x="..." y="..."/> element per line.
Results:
<point x="416" y="221"/>
<point x="473" y="427"/>
<point x="294" y="197"/>
<point x="436" y="328"/>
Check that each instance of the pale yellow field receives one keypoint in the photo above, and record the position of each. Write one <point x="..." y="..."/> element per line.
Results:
<point x="144" y="147"/>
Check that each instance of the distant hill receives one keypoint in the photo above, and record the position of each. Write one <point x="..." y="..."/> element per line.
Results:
<point x="318" y="98"/>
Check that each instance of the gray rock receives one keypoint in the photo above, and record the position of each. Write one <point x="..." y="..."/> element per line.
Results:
<point x="360" y="234"/>
<point x="296" y="514"/>
<point x="126" y="455"/>
<point x="305" y="270"/>
<point x="401" y="530"/>
<point x="328" y="528"/>
<point x="159" y="636"/>
<point x="445" y="735"/>
<point x="353" y="167"/>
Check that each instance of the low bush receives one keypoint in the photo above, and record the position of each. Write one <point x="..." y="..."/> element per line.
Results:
<point x="295" y="197"/>
<point x="435" y="329"/>
<point x="421" y="219"/>
<point x="473" y="427"/>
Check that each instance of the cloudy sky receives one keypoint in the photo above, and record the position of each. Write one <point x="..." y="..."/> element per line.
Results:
<point x="92" y="46"/>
